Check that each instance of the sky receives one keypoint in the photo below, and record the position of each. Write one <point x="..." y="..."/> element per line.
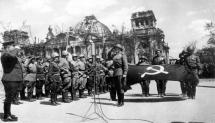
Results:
<point x="182" y="21"/>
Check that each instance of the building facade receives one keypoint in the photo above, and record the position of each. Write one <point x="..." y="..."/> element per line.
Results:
<point x="148" y="38"/>
<point x="79" y="40"/>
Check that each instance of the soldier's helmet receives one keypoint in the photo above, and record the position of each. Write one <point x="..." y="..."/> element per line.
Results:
<point x="74" y="55"/>
<point x="119" y="46"/>
<point x="143" y="57"/>
<point x="98" y="57"/>
<point x="64" y="53"/>
<point x="190" y="49"/>
<point x="54" y="54"/>
<point x="81" y="56"/>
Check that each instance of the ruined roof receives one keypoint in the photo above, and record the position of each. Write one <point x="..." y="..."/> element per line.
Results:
<point x="143" y="14"/>
<point x="92" y="26"/>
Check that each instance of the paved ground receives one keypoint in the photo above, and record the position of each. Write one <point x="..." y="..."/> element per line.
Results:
<point x="170" y="109"/>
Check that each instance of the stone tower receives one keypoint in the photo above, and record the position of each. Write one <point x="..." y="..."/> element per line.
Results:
<point x="148" y="37"/>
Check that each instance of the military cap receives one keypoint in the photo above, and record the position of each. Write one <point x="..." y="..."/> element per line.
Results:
<point x="190" y="49"/>
<point x="81" y="56"/>
<point x="98" y="57"/>
<point x="74" y="55"/>
<point x="143" y="57"/>
<point x="118" y="46"/>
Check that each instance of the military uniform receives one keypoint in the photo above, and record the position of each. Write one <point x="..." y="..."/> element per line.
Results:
<point x="19" y="91"/>
<point x="55" y="80"/>
<point x="111" y="83"/>
<point x="90" y="79"/>
<point x="30" y="79"/>
<point x="76" y="78"/>
<point x="161" y="84"/>
<point x="40" y="78"/>
<point x="24" y="70"/>
<point x="119" y="72"/>
<point x="83" y="78"/>
<point x="12" y="78"/>
<point x="192" y="64"/>
<point x="47" y="80"/>
<point x="66" y="78"/>
<point x="144" y="83"/>
<point x="101" y="77"/>
<point x="183" y="84"/>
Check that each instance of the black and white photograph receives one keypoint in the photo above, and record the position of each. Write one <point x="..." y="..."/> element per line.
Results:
<point x="107" y="61"/>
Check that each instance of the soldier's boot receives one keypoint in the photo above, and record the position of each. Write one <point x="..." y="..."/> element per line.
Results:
<point x="147" y="92"/>
<point x="55" y="99"/>
<point x="65" y="97"/>
<point x="22" y="95"/>
<point x="113" y="95"/>
<point x="193" y="93"/>
<point x="16" y="99"/>
<point x="122" y="99"/>
<point x="120" y="102"/>
<point x="74" y="97"/>
<point x="96" y="90"/>
<point x="52" y="99"/>
<point x="30" y="95"/>
<point x="81" y="93"/>
<point x="90" y="92"/>
<point x="39" y="93"/>
<point x="47" y="93"/>
<point x="104" y="89"/>
<point x="8" y="117"/>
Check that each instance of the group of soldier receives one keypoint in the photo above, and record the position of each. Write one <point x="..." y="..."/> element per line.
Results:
<point x="56" y="75"/>
<point x="186" y="58"/>
<point x="59" y="75"/>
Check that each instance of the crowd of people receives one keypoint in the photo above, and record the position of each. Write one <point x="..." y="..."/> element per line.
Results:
<point x="31" y="78"/>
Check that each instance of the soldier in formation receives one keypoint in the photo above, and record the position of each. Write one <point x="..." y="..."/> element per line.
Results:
<point x="66" y="76"/>
<point x="144" y="83"/>
<point x="40" y="78"/>
<point x="161" y="84"/>
<point x="55" y="78"/>
<point x="90" y="79"/>
<point x="192" y="63"/>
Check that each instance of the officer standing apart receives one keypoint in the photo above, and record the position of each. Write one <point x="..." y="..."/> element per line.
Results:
<point x="161" y="84"/>
<point x="120" y="72"/>
<point x="144" y="83"/>
<point x="192" y="64"/>
<point x="12" y="78"/>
